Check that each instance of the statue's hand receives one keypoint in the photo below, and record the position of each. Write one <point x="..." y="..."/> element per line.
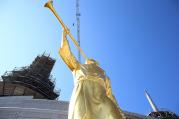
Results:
<point x="64" y="39"/>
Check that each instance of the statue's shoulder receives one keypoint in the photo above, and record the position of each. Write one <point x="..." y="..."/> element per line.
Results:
<point x="93" y="67"/>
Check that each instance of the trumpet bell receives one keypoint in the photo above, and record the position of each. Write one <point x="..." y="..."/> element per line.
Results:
<point x="49" y="4"/>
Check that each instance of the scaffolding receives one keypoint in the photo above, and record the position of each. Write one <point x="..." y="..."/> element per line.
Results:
<point x="159" y="114"/>
<point x="32" y="80"/>
<point x="163" y="115"/>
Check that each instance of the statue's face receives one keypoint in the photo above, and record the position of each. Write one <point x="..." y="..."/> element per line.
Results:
<point x="91" y="61"/>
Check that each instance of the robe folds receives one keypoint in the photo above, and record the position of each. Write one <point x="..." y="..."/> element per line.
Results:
<point x="92" y="96"/>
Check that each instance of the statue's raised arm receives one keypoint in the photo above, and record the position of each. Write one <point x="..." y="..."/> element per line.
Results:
<point x="49" y="5"/>
<point x="66" y="54"/>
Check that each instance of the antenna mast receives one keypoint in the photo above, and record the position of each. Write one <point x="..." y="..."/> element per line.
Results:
<point x="78" y="25"/>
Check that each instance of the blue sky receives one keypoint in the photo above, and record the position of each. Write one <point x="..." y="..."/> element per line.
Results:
<point x="135" y="41"/>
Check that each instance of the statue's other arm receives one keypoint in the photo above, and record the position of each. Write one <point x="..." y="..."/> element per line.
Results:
<point x="66" y="53"/>
<point x="111" y="96"/>
<point x="109" y="91"/>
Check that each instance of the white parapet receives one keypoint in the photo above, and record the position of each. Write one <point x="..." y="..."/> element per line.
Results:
<point x="24" y="107"/>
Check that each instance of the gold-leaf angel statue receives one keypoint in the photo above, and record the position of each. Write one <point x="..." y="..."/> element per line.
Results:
<point x="92" y="96"/>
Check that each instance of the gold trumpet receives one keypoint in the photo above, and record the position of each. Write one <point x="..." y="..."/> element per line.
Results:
<point x="49" y="5"/>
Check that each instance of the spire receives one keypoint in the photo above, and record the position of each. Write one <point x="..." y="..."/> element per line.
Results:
<point x="152" y="104"/>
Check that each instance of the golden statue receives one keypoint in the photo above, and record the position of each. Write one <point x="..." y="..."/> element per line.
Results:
<point x="92" y="96"/>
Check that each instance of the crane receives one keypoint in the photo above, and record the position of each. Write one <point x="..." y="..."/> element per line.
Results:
<point x="78" y="25"/>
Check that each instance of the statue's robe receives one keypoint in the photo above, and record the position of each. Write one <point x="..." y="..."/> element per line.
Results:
<point x="92" y="95"/>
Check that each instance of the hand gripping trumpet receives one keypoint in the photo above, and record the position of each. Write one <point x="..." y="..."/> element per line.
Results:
<point x="49" y="5"/>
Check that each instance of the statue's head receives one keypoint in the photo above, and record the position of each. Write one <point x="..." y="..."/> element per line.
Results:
<point x="91" y="61"/>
